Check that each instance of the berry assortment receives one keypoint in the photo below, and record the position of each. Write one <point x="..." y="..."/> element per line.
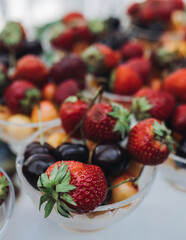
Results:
<point x="78" y="177"/>
<point x="100" y="156"/>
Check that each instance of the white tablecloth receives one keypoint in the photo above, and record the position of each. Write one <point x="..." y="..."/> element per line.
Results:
<point x="161" y="216"/>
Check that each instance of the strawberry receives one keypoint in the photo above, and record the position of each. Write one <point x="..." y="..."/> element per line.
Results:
<point x="72" y="17"/>
<point x="12" y="37"/>
<point x="140" y="65"/>
<point x="152" y="103"/>
<point x="71" y="113"/>
<point x="133" y="9"/>
<point x="175" y="83"/>
<point x="125" y="80"/>
<point x="150" y="142"/>
<point x="99" y="59"/>
<point x="78" y="23"/>
<point x="70" y="66"/>
<point x="74" y="186"/>
<point x="62" y="36"/>
<point x="67" y="88"/>
<point x="32" y="68"/>
<point x="106" y="122"/>
<point x="4" y="188"/>
<point x="21" y="96"/>
<point x="179" y="119"/>
<point x="132" y="50"/>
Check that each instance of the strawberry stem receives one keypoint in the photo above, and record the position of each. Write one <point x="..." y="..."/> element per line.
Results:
<point x="132" y="179"/>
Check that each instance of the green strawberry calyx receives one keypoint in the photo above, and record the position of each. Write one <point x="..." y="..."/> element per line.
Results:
<point x="140" y="108"/>
<point x="11" y="34"/>
<point x="56" y="30"/>
<point x="32" y="97"/>
<point x="56" y="190"/>
<point x="96" y="26"/>
<point x="4" y="184"/>
<point x="123" y="119"/>
<point x="93" y="59"/>
<point x="163" y="134"/>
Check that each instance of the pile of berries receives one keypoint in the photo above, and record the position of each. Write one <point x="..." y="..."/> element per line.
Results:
<point x="85" y="175"/>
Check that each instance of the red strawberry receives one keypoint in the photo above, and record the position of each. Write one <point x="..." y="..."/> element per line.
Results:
<point x="70" y="66"/>
<point x="106" y="123"/>
<point x="141" y="65"/>
<point x="4" y="188"/>
<point x="175" y="83"/>
<point x="179" y="119"/>
<point x="72" y="17"/>
<point x="78" y="23"/>
<point x="12" y="37"/>
<point x="83" y="33"/>
<point x="133" y="9"/>
<point x="75" y="186"/>
<point x="62" y="36"/>
<point x="125" y="80"/>
<point x="71" y="113"/>
<point x="99" y="59"/>
<point x="152" y="103"/>
<point x="66" y="89"/>
<point x="132" y="50"/>
<point x="21" y="96"/>
<point x="150" y="142"/>
<point x="32" y="68"/>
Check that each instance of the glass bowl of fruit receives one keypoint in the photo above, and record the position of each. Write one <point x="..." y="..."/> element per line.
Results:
<point x="84" y="169"/>
<point x="7" y="200"/>
<point x="148" y="20"/>
<point x="115" y="203"/>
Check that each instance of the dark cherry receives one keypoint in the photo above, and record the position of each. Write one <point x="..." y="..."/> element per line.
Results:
<point x="35" y="165"/>
<point x="112" y="23"/>
<point x="181" y="152"/>
<point x="37" y="148"/>
<point x="70" y="151"/>
<point x="30" y="47"/>
<point x="112" y="158"/>
<point x="115" y="39"/>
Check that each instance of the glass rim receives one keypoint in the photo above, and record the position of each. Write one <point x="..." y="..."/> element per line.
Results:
<point x="142" y="191"/>
<point x="29" y="125"/>
<point x="12" y="197"/>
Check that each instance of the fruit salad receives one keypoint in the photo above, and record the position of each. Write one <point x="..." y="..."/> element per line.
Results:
<point x="105" y="159"/>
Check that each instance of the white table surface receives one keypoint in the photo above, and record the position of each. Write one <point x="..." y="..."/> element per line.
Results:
<point x="161" y="216"/>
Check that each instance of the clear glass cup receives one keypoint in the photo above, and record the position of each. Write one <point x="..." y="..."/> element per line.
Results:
<point x="173" y="174"/>
<point x="18" y="134"/>
<point x="6" y="209"/>
<point x="101" y="217"/>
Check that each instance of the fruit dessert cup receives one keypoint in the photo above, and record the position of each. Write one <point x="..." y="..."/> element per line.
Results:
<point x="173" y="171"/>
<point x="102" y="216"/>
<point x="150" y="19"/>
<point x="7" y="203"/>
<point x="18" y="130"/>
